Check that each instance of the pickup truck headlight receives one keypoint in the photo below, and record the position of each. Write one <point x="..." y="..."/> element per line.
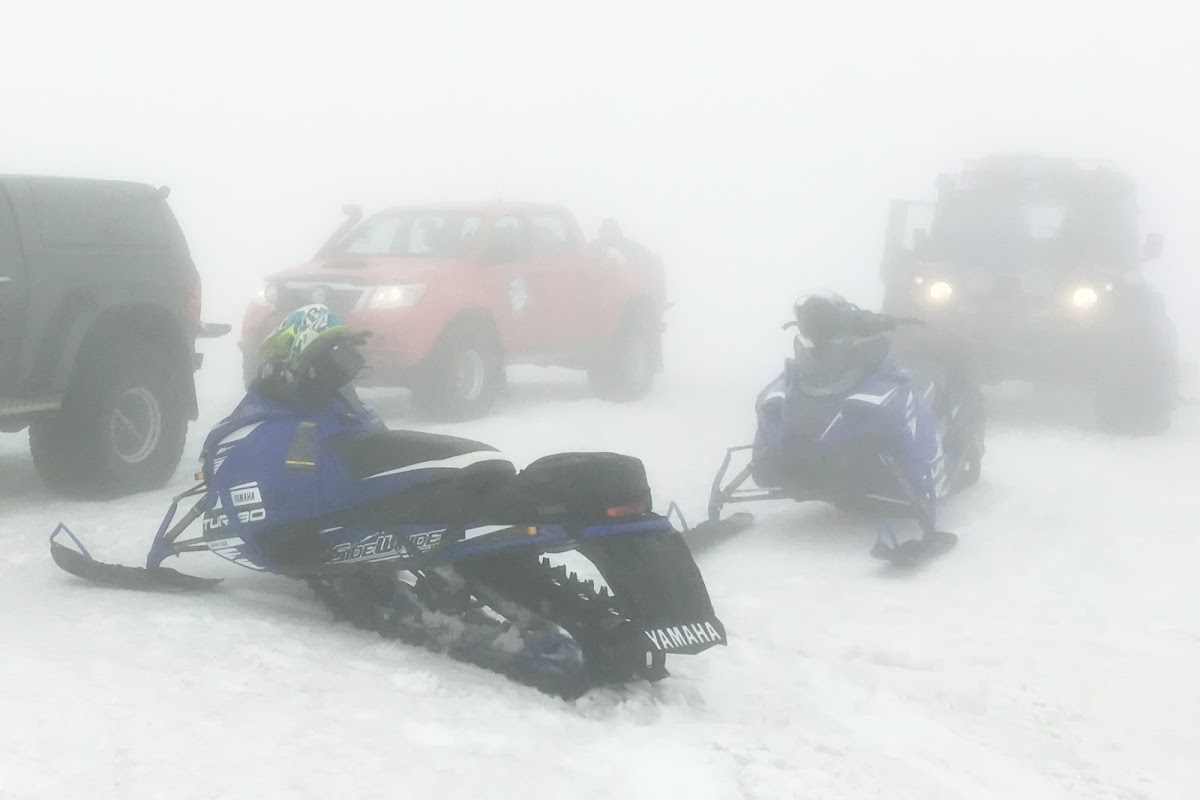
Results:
<point x="267" y="295"/>
<point x="1083" y="298"/>
<point x="400" y="296"/>
<point x="939" y="292"/>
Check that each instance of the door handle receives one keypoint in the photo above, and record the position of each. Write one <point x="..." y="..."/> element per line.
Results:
<point x="4" y="279"/>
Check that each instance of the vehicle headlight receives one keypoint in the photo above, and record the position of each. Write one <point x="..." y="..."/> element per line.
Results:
<point x="267" y="295"/>
<point x="939" y="292"/>
<point x="1084" y="298"/>
<point x="396" y="296"/>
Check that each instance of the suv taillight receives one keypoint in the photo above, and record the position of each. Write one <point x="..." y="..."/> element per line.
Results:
<point x="192" y="305"/>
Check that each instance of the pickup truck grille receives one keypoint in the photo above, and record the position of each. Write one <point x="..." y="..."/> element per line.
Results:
<point x="341" y="300"/>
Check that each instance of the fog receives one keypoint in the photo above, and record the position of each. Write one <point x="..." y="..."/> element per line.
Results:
<point x="755" y="146"/>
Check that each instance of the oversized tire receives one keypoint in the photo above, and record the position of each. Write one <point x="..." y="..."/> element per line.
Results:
<point x="1138" y="400"/>
<point x="626" y="370"/>
<point x="1137" y="393"/>
<point x="970" y="433"/>
<point x="121" y="428"/>
<point x="462" y="376"/>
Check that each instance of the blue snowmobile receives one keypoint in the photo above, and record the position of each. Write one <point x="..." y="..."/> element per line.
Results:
<point x="434" y="540"/>
<point x="847" y="424"/>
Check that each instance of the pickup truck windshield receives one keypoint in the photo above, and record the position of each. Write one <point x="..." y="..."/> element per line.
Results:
<point x="1010" y="230"/>
<point x="408" y="233"/>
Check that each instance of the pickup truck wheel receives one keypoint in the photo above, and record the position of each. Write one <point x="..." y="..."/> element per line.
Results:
<point x="1138" y="401"/>
<point x="1137" y="392"/>
<point x="461" y="377"/>
<point x="626" y="372"/>
<point x="121" y="429"/>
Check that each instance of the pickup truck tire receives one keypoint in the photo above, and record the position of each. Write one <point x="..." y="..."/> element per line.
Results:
<point x="626" y="371"/>
<point x="462" y="376"/>
<point x="121" y="429"/>
<point x="1137" y="390"/>
<point x="1137" y="401"/>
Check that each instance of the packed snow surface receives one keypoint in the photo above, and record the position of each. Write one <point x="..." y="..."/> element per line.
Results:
<point x="1053" y="654"/>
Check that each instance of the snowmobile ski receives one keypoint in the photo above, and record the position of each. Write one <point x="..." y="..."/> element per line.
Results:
<point x="914" y="551"/>
<point x="81" y="564"/>
<point x="712" y="532"/>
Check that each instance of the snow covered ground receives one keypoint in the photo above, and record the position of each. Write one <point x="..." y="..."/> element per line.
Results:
<point x="1054" y="654"/>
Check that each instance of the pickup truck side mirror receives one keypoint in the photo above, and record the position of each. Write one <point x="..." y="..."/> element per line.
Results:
<point x="353" y="216"/>
<point x="1153" y="246"/>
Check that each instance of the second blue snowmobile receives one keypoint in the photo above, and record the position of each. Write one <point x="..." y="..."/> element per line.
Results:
<point x="434" y="540"/>
<point x="851" y="424"/>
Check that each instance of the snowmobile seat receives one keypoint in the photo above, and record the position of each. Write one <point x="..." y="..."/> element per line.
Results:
<point x="469" y="471"/>
<point x="380" y="454"/>
<point x="571" y="488"/>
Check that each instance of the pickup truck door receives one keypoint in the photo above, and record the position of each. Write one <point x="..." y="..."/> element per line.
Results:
<point x="561" y="260"/>
<point x="523" y="288"/>
<point x="12" y="297"/>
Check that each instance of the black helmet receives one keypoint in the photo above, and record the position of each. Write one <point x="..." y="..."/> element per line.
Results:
<point x="823" y="316"/>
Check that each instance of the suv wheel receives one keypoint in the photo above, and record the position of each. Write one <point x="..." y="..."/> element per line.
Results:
<point x="461" y="376"/>
<point x="121" y="428"/>
<point x="626" y="372"/>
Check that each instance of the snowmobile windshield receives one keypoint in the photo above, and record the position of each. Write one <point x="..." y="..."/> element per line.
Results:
<point x="840" y="366"/>
<point x="439" y="234"/>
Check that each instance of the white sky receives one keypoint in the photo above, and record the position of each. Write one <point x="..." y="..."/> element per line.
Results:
<point x="762" y="140"/>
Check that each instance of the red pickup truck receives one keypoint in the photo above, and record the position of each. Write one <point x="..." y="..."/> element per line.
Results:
<point x="452" y="294"/>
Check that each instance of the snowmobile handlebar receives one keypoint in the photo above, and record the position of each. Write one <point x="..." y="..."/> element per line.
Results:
<point x="852" y="322"/>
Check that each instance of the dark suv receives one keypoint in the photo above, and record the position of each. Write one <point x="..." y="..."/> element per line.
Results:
<point x="1030" y="268"/>
<point x="99" y="312"/>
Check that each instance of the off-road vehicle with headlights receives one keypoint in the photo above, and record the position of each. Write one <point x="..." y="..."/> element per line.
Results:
<point x="99" y="312"/>
<point x="452" y="294"/>
<point x="1031" y="268"/>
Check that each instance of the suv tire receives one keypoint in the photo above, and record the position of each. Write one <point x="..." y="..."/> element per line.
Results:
<point x="627" y="370"/>
<point x="462" y="376"/>
<point x="121" y="429"/>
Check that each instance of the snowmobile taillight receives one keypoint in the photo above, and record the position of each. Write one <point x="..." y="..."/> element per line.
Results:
<point x="630" y="510"/>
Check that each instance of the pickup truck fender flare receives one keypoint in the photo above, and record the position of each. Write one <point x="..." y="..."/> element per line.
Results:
<point x="116" y="317"/>
<point x="642" y="307"/>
